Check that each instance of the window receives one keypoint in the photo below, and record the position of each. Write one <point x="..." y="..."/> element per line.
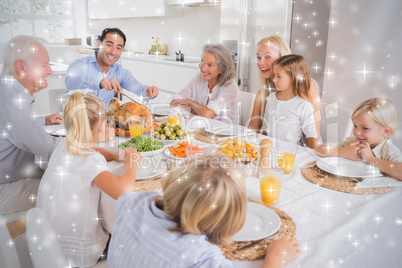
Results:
<point x="52" y="20"/>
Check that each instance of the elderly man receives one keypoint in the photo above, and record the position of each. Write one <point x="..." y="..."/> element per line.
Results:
<point x="101" y="73"/>
<point x="22" y="138"/>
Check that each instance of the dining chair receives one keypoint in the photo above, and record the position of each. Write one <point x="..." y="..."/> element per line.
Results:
<point x="8" y="252"/>
<point x="43" y="245"/>
<point x="42" y="241"/>
<point x="246" y="102"/>
<point x="336" y="123"/>
<point x="57" y="99"/>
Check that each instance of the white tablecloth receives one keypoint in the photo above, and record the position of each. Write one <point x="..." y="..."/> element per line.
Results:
<point x="337" y="229"/>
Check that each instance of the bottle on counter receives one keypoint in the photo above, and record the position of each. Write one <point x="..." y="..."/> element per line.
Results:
<point x="157" y="45"/>
<point x="152" y="49"/>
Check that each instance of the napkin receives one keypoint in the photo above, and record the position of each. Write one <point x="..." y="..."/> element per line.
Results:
<point x="378" y="182"/>
<point x="83" y="91"/>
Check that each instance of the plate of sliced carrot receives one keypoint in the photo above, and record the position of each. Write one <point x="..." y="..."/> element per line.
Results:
<point x="178" y="151"/>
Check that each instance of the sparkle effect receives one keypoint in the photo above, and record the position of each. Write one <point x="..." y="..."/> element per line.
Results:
<point x="364" y="72"/>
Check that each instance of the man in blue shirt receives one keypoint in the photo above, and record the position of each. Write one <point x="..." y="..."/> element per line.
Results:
<point x="102" y="74"/>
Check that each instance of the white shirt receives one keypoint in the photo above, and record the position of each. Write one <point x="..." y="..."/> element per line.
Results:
<point x="70" y="201"/>
<point x="141" y="238"/>
<point x="386" y="150"/>
<point x="223" y="100"/>
<point x="289" y="120"/>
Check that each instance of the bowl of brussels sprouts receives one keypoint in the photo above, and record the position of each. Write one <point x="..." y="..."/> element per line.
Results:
<point x="167" y="132"/>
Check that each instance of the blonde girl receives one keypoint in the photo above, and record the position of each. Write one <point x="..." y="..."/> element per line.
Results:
<point x="70" y="189"/>
<point x="204" y="204"/>
<point x="269" y="50"/>
<point x="289" y="115"/>
<point x="374" y="123"/>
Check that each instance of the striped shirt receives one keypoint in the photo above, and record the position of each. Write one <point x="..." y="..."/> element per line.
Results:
<point x="141" y="238"/>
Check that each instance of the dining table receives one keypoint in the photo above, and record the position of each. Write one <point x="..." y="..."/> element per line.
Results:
<point x="333" y="228"/>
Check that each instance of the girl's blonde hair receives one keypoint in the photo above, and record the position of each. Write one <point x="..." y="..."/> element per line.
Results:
<point x="206" y="196"/>
<point x="266" y="84"/>
<point x="381" y="110"/>
<point x="297" y="68"/>
<point x="81" y="114"/>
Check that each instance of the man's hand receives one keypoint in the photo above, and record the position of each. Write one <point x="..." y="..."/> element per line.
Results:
<point x="111" y="84"/>
<point x="54" y="119"/>
<point x="152" y="91"/>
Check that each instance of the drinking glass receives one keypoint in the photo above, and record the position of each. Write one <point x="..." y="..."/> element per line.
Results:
<point x="136" y="125"/>
<point x="286" y="156"/>
<point x="185" y="110"/>
<point x="270" y="185"/>
<point x="174" y="116"/>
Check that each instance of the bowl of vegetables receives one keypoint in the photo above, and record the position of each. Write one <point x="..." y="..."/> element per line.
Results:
<point x="144" y="145"/>
<point x="167" y="132"/>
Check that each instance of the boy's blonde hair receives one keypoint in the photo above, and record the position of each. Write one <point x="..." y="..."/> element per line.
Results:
<point x="81" y="114"/>
<point x="381" y="110"/>
<point x="206" y="196"/>
<point x="297" y="68"/>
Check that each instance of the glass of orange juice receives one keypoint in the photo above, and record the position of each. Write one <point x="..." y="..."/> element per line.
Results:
<point x="286" y="156"/>
<point x="270" y="185"/>
<point x="174" y="116"/>
<point x="136" y="125"/>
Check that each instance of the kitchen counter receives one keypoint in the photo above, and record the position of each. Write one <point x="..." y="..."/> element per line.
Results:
<point x="190" y="62"/>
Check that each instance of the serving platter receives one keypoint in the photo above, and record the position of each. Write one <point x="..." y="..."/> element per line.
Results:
<point x="260" y="223"/>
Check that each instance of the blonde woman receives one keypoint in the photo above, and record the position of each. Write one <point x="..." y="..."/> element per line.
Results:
<point x="269" y="50"/>
<point x="70" y="189"/>
<point x="374" y="123"/>
<point x="204" y="204"/>
<point x="213" y="93"/>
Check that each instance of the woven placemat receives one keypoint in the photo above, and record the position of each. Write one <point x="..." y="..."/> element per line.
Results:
<point x="201" y="135"/>
<point x="147" y="185"/>
<point x="259" y="250"/>
<point x="339" y="183"/>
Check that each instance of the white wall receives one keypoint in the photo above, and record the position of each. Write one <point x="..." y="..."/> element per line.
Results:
<point x="198" y="26"/>
<point x="367" y="33"/>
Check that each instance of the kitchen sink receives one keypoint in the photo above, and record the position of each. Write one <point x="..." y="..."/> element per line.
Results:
<point x="185" y="60"/>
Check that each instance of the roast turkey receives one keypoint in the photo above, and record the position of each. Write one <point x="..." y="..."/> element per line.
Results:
<point x="119" y="115"/>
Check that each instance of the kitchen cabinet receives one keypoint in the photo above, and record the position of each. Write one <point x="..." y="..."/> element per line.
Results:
<point x="173" y="78"/>
<point x="142" y="71"/>
<point x="170" y="78"/>
<point x="106" y="9"/>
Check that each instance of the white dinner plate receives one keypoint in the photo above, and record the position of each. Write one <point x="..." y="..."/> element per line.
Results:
<point x="347" y="168"/>
<point x="229" y="130"/>
<point x="260" y="222"/>
<point x="146" y="170"/>
<point x="56" y="130"/>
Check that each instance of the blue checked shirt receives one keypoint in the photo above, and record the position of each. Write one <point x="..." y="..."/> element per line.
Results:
<point x="141" y="238"/>
<point x="85" y="73"/>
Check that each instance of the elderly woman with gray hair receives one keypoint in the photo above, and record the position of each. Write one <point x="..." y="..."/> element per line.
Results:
<point x="213" y="93"/>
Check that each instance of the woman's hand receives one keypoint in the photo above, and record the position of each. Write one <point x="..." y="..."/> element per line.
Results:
<point x="177" y="102"/>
